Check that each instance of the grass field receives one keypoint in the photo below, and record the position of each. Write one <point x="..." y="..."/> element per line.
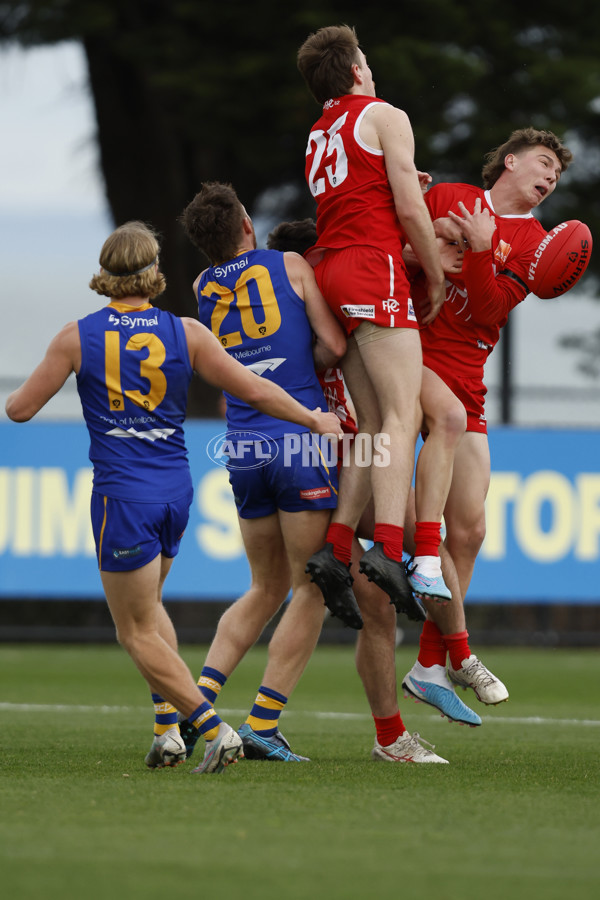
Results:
<point x="516" y="814"/>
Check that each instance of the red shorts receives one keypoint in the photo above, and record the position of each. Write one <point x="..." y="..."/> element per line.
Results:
<point x="471" y="393"/>
<point x="366" y="284"/>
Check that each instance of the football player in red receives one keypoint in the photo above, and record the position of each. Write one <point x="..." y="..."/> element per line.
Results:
<point x="361" y="172"/>
<point x="496" y="233"/>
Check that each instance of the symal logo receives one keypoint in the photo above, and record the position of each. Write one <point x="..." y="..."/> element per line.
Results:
<point x="132" y="321"/>
<point x="242" y="449"/>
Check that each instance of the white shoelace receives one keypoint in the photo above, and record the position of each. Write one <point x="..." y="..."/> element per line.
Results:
<point x="479" y="673"/>
<point x="417" y="737"/>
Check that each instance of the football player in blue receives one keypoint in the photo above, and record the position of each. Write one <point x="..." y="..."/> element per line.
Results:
<point x="133" y="364"/>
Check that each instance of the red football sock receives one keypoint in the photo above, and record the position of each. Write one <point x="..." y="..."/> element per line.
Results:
<point x="457" y="646"/>
<point x="389" y="728"/>
<point x="392" y="538"/>
<point x="427" y="538"/>
<point x="432" y="649"/>
<point x="341" y="537"/>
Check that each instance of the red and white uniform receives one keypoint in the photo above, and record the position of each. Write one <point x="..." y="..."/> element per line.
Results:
<point x="334" y="388"/>
<point x="359" y="269"/>
<point x="478" y="301"/>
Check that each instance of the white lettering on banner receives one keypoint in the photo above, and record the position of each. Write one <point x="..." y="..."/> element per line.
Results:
<point x="4" y="517"/>
<point x="219" y="535"/>
<point x="517" y="504"/>
<point x="550" y="517"/>
<point x="588" y="544"/>
<point x="23" y="543"/>
<point x="556" y="490"/>
<point x="503" y="488"/>
<point x="65" y="526"/>
<point x="41" y="516"/>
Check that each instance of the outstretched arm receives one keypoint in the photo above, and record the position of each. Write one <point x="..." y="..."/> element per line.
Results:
<point x="395" y="136"/>
<point x="63" y="356"/>
<point x="330" y="340"/>
<point x="213" y="363"/>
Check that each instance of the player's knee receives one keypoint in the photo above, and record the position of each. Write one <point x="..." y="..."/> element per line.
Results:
<point x="450" y="425"/>
<point x="465" y="540"/>
<point x="455" y="423"/>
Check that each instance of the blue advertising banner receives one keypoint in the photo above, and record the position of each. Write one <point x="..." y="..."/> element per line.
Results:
<point x="543" y="518"/>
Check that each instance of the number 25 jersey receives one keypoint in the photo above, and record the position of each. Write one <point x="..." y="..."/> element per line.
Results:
<point x="133" y="385"/>
<point x="348" y="179"/>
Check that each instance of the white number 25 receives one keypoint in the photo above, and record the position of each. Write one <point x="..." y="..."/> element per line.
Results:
<point x="327" y="145"/>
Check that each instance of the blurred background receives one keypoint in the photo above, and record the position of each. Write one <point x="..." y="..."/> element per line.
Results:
<point x="113" y="111"/>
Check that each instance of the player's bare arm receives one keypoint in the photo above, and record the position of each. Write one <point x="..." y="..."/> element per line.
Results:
<point x="330" y="341"/>
<point x="63" y="356"/>
<point x="395" y="138"/>
<point x="209" y="359"/>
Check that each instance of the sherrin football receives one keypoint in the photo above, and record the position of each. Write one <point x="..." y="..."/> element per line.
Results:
<point x="560" y="260"/>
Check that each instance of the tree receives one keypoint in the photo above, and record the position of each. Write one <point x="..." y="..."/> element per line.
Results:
<point x="187" y="91"/>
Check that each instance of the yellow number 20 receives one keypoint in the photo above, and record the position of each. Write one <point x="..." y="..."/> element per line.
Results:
<point x="241" y="294"/>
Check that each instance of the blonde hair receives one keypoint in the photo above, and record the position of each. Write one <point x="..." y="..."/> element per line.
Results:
<point x="129" y="260"/>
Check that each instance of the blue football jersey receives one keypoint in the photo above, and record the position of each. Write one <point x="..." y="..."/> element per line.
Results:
<point x="251" y="307"/>
<point x="133" y="386"/>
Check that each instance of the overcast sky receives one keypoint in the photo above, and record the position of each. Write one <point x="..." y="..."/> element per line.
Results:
<point x="53" y="221"/>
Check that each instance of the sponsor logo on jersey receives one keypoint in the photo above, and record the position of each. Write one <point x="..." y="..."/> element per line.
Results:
<point x="234" y="266"/>
<point x="266" y="365"/>
<point x="358" y="312"/>
<point x="151" y="434"/>
<point x="315" y="493"/>
<point x="132" y="321"/>
<point x="502" y="252"/>
<point x="126" y="553"/>
<point x="254" y="351"/>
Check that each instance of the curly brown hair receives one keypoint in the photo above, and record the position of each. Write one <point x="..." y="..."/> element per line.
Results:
<point x="129" y="260"/>
<point x="522" y="139"/>
<point x="213" y="221"/>
<point x="325" y="61"/>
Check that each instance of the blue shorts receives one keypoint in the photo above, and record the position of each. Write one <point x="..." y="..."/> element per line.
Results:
<point x="288" y="473"/>
<point x="129" y="535"/>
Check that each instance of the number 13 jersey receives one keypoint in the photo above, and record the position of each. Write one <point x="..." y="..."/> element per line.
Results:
<point x="133" y="385"/>
<point x="348" y="179"/>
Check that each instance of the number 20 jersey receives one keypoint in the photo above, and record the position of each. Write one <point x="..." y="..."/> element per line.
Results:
<point x="348" y="179"/>
<point x="133" y="386"/>
<point x="251" y="307"/>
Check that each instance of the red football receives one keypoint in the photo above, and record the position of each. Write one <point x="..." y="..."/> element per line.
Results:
<point x="560" y="260"/>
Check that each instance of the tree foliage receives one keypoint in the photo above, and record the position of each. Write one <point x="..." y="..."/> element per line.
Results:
<point x="187" y="91"/>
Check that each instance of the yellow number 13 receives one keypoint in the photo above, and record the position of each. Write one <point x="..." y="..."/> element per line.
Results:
<point x="149" y="369"/>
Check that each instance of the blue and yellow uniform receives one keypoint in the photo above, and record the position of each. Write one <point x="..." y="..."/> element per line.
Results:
<point x="133" y="385"/>
<point x="251" y="307"/>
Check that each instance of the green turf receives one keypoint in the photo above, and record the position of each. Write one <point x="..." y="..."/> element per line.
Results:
<point x="515" y="815"/>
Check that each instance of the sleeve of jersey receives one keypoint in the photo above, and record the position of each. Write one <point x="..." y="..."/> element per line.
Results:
<point x="491" y="297"/>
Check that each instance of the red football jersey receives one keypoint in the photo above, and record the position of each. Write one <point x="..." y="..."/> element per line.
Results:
<point x="334" y="388"/>
<point x="491" y="283"/>
<point x="348" y="179"/>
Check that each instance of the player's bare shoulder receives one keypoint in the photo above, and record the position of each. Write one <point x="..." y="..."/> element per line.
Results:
<point x="297" y="270"/>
